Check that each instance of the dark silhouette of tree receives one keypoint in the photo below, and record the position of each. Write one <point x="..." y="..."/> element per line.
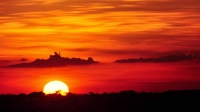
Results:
<point x="124" y="101"/>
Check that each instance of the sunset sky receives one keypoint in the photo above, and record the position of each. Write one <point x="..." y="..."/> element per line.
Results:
<point x="100" y="29"/>
<point x="106" y="30"/>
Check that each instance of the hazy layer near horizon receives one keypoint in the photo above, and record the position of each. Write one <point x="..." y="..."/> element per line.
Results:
<point x="149" y="77"/>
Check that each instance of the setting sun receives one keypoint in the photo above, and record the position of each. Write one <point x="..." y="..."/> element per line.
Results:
<point x="56" y="87"/>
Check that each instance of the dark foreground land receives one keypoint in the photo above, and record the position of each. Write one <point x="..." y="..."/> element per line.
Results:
<point x="124" y="101"/>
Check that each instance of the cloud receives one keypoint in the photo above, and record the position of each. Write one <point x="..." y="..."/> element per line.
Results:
<point x="54" y="61"/>
<point x="157" y="26"/>
<point x="104" y="5"/>
<point x="48" y="1"/>
<point x="98" y="16"/>
<point x="169" y="58"/>
<point x="160" y="6"/>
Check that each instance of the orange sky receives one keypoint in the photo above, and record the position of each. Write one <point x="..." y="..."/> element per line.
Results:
<point x="106" y="30"/>
<point x="101" y="29"/>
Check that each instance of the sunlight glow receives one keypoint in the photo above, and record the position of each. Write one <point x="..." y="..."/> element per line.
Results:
<point x="57" y="87"/>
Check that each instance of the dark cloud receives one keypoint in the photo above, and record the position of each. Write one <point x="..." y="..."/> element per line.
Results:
<point x="169" y="58"/>
<point x="54" y="61"/>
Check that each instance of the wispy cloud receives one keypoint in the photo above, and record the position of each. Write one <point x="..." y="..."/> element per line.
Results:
<point x="49" y="25"/>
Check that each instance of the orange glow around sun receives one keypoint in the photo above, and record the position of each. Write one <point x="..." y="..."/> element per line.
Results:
<point x="56" y="87"/>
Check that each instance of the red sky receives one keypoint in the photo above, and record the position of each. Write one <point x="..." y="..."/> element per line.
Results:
<point x="101" y="29"/>
<point x="105" y="30"/>
<point x="148" y="77"/>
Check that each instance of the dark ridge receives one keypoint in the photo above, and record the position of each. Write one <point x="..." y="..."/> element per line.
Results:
<point x="169" y="58"/>
<point x="55" y="61"/>
<point x="124" y="101"/>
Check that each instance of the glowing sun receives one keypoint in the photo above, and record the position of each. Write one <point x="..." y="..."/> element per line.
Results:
<point x="57" y="87"/>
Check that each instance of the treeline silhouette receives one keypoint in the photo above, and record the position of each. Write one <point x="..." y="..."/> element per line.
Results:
<point x="124" y="101"/>
<point x="169" y="58"/>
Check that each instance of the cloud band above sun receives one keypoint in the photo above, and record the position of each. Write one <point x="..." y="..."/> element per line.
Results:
<point x="102" y="27"/>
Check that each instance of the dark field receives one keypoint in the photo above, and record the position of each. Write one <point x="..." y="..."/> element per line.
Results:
<point x="124" y="101"/>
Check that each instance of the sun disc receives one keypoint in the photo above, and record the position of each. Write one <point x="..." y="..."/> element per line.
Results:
<point x="56" y="87"/>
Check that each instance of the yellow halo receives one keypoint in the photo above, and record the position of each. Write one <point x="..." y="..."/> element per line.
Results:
<point x="56" y="87"/>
